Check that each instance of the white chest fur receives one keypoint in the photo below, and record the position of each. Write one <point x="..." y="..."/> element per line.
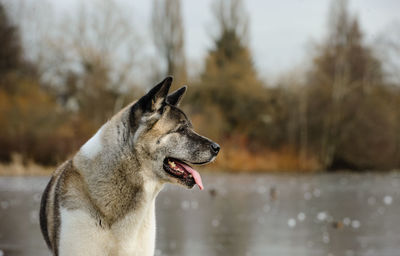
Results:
<point x="133" y="235"/>
<point x="136" y="232"/>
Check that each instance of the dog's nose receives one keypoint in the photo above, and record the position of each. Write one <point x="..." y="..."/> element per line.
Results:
<point x="215" y="148"/>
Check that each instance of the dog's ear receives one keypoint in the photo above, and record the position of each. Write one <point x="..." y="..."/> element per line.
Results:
<point x="150" y="105"/>
<point x="155" y="99"/>
<point x="176" y="97"/>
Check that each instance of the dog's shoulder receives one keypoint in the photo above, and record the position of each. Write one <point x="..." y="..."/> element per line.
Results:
<point x="72" y="189"/>
<point x="74" y="194"/>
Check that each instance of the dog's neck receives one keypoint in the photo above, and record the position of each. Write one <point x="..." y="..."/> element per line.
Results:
<point x="125" y="185"/>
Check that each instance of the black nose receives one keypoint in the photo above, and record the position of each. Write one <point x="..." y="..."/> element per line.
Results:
<point x="215" y="148"/>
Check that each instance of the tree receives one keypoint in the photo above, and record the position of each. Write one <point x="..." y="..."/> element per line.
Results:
<point x="27" y="126"/>
<point x="229" y="91"/>
<point x="345" y="83"/>
<point x="91" y="63"/>
<point x="10" y="46"/>
<point x="389" y="48"/>
<point x="168" y="37"/>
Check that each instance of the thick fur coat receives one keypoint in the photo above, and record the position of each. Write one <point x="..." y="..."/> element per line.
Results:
<point x="102" y="201"/>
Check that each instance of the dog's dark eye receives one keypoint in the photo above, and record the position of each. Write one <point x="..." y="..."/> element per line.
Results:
<point x="181" y="129"/>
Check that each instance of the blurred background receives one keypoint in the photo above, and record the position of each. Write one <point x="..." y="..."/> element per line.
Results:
<point x="303" y="97"/>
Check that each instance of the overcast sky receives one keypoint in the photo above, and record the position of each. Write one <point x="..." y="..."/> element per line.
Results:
<point x="281" y="32"/>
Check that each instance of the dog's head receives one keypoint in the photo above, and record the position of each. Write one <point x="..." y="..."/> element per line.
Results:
<point x="163" y="138"/>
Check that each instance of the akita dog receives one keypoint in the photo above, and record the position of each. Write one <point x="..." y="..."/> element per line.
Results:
<point x="102" y="201"/>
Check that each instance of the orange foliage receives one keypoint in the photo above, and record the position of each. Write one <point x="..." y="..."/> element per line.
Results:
<point x="239" y="158"/>
<point x="33" y="125"/>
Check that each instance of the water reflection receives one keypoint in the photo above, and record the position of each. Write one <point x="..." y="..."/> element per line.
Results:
<point x="330" y="214"/>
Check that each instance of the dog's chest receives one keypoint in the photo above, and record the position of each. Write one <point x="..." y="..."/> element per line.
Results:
<point x="136" y="232"/>
<point x="132" y="235"/>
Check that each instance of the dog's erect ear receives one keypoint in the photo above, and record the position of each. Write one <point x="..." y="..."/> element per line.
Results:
<point x="175" y="97"/>
<point x="150" y="105"/>
<point x="155" y="99"/>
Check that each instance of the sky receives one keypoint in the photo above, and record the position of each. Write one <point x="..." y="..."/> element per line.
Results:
<point x="281" y="33"/>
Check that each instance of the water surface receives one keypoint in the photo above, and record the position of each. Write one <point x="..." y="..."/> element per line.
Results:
<point x="265" y="214"/>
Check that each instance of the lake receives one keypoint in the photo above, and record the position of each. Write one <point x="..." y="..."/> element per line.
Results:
<point x="244" y="214"/>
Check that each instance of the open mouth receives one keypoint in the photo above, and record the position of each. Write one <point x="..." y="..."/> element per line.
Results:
<point x="183" y="172"/>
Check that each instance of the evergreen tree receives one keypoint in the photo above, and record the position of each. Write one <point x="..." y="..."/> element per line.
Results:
<point x="10" y="46"/>
<point x="229" y="85"/>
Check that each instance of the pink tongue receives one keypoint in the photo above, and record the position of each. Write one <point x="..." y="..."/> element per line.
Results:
<point x="195" y="174"/>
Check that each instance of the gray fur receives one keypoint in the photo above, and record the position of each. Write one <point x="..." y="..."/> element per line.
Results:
<point x="119" y="172"/>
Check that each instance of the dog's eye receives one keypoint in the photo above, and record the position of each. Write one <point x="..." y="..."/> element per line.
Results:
<point x="181" y="129"/>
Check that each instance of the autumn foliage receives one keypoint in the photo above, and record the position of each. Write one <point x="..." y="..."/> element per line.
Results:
<point x="342" y="113"/>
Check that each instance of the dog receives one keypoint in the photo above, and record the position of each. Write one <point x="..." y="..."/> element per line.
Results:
<point x="102" y="201"/>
